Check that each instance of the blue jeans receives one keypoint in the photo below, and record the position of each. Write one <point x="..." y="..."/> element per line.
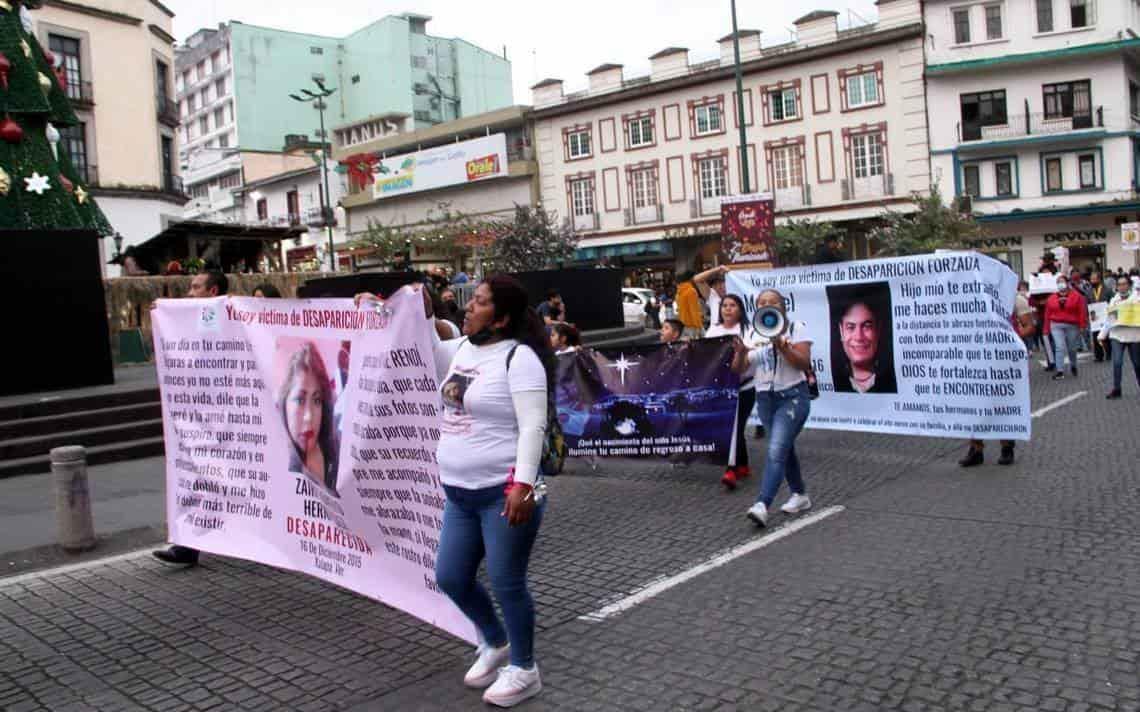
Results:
<point x="1118" y="349"/>
<point x="473" y="527"/>
<point x="1066" y="337"/>
<point x="784" y="414"/>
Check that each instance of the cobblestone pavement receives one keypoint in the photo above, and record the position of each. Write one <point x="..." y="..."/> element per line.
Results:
<point x="937" y="589"/>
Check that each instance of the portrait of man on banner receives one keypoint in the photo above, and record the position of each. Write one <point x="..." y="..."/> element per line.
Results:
<point x="746" y="225"/>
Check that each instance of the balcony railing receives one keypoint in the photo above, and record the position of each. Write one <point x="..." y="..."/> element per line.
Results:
<point x="869" y="187"/>
<point x="173" y="184"/>
<point x="81" y="93"/>
<point x="1033" y="124"/>
<point x="585" y="223"/>
<point x="644" y="215"/>
<point x="167" y="111"/>
<point x="313" y="218"/>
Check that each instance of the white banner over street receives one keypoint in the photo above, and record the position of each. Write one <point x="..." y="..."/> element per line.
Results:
<point x="920" y="345"/>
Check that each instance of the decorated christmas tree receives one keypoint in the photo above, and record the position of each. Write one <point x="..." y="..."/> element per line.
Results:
<point x="39" y="186"/>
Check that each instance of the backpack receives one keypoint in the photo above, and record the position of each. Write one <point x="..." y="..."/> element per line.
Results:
<point x="554" y="443"/>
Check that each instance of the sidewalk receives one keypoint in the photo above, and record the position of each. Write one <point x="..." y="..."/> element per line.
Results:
<point x="936" y="589"/>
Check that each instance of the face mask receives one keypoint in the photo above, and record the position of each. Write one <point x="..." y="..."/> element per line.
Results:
<point x="482" y="336"/>
<point x="1062" y="287"/>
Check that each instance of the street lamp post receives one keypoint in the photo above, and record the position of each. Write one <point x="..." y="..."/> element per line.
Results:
<point x="318" y="99"/>
<point x="740" y="104"/>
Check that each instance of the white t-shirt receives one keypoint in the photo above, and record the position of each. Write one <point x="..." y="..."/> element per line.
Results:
<point x="479" y="432"/>
<point x="455" y="332"/>
<point x="721" y="330"/>
<point x="773" y="372"/>
<point x="714" y="307"/>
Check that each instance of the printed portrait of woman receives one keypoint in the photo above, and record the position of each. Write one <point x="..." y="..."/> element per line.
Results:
<point x="862" y="354"/>
<point x="305" y="400"/>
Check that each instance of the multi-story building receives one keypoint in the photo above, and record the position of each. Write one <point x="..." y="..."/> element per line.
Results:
<point x="480" y="167"/>
<point x="118" y="57"/>
<point x="293" y="198"/>
<point x="234" y="86"/>
<point x="1034" y="112"/>
<point x="835" y="125"/>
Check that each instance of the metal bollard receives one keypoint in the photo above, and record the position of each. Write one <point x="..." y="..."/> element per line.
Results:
<point x="74" y="525"/>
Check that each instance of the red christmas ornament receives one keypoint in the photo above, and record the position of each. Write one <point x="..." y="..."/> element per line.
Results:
<point x="5" y="67"/>
<point x="67" y="185"/>
<point x="61" y="78"/>
<point x="49" y="57"/>
<point x="10" y="131"/>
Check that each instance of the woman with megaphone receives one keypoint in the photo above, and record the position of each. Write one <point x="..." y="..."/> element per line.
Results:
<point x="778" y="355"/>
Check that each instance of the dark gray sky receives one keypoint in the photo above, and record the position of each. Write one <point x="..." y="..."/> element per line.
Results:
<point x="543" y="38"/>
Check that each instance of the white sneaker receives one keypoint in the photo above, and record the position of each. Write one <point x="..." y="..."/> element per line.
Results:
<point x="796" y="503"/>
<point x="514" y="685"/>
<point x="759" y="514"/>
<point x="486" y="668"/>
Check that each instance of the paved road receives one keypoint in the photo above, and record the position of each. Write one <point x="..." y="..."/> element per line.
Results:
<point x="936" y="588"/>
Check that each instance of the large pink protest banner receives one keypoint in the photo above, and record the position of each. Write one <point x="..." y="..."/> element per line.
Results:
<point x="302" y="434"/>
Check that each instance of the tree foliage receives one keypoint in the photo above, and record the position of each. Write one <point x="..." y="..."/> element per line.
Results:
<point x="798" y="240"/>
<point x="932" y="226"/>
<point x="443" y="231"/>
<point x="533" y="240"/>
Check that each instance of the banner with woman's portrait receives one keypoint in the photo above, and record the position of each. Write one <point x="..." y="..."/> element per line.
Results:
<point x="302" y="434"/>
<point x="920" y="345"/>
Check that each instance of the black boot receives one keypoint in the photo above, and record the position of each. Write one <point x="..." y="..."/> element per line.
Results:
<point x="1114" y="394"/>
<point x="973" y="458"/>
<point x="181" y="555"/>
<point x="1006" y="455"/>
<point x="760" y="432"/>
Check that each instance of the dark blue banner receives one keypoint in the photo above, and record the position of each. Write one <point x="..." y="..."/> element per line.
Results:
<point x="661" y="400"/>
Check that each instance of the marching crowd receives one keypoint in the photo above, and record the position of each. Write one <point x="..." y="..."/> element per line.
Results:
<point x="496" y="358"/>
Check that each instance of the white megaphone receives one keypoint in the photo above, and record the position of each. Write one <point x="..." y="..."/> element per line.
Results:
<point x="769" y="322"/>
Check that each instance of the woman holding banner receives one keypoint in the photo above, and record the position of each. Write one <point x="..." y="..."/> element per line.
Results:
<point x="1122" y="334"/>
<point x="784" y="402"/>
<point x="495" y="383"/>
<point x="729" y="321"/>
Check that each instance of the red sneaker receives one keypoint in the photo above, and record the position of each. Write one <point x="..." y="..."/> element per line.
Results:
<point x="729" y="479"/>
<point x="743" y="472"/>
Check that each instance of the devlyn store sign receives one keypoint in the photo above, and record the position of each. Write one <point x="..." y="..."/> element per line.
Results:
<point x="1051" y="238"/>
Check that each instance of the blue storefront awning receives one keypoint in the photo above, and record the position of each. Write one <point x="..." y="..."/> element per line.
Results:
<point x="658" y="248"/>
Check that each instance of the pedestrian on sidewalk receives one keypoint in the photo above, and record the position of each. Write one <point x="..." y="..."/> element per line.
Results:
<point x="1066" y="315"/>
<point x="202" y="286"/>
<point x="1122" y="338"/>
<point x="780" y="379"/>
<point x="495" y="383"/>
<point x="730" y="322"/>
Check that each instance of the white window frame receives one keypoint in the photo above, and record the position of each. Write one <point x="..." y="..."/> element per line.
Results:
<point x="713" y="181"/>
<point x="644" y="188"/>
<point x="1090" y="13"/>
<point x="582" y="197"/>
<point x="954" y="25"/>
<point x="640" y="131"/>
<point x="712" y="117"/>
<point x="859" y="83"/>
<point x="787" y="168"/>
<point x="867" y="155"/>
<point x="1001" y="21"/>
<point x="784" y="99"/>
<point x="581" y="152"/>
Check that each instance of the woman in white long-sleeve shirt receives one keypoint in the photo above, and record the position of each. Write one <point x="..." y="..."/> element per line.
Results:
<point x="494" y="384"/>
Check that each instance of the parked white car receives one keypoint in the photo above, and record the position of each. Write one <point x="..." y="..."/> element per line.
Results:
<point x="634" y="300"/>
